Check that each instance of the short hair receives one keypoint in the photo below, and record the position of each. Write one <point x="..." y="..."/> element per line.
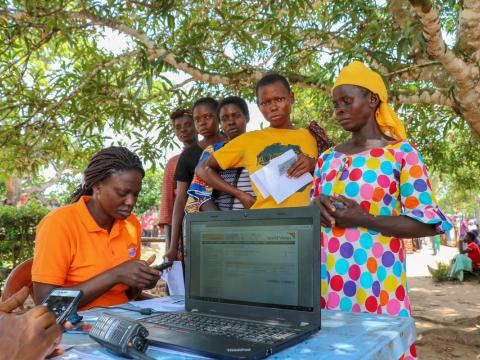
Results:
<point x="235" y="100"/>
<point x="178" y="113"/>
<point x="206" y="101"/>
<point x="471" y="235"/>
<point x="270" y="79"/>
<point x="102" y="165"/>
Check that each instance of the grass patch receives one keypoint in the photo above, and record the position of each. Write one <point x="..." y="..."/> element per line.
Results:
<point x="441" y="273"/>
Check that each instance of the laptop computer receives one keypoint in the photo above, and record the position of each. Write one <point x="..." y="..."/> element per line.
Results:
<point x="252" y="284"/>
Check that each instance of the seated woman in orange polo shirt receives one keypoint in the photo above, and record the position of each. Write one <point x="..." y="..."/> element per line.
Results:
<point x="93" y="244"/>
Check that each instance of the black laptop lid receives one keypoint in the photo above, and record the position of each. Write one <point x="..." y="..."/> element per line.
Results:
<point x="255" y="263"/>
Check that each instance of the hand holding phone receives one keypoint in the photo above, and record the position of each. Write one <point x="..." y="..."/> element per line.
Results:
<point x="63" y="302"/>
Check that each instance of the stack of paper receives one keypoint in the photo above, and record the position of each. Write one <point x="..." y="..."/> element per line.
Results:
<point x="272" y="179"/>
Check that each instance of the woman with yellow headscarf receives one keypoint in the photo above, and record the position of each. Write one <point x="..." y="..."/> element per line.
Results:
<point x="372" y="190"/>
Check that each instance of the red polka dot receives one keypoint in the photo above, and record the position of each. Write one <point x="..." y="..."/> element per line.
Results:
<point x="355" y="174"/>
<point x="331" y="175"/>
<point x="354" y="272"/>
<point x="319" y="163"/>
<point x="322" y="303"/>
<point x="371" y="304"/>
<point x="400" y="293"/>
<point x="336" y="283"/>
<point x="365" y="205"/>
<point x="333" y="245"/>
<point x="376" y="152"/>
<point x="413" y="350"/>
<point x="383" y="181"/>
<point x="395" y="245"/>
<point x="392" y="188"/>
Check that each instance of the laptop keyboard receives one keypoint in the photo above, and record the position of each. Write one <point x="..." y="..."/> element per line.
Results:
<point x="249" y="331"/>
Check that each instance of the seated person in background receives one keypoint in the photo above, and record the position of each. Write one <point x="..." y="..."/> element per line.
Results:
<point x="27" y="335"/>
<point x="255" y="149"/>
<point x="467" y="260"/>
<point x="206" y="123"/>
<point x="472" y="250"/>
<point x="233" y="115"/>
<point x="94" y="243"/>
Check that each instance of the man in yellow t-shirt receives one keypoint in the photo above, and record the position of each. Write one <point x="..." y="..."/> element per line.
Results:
<point x="255" y="149"/>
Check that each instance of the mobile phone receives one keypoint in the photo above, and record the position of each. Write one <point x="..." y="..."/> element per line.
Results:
<point x="163" y="266"/>
<point x="338" y="205"/>
<point x="62" y="302"/>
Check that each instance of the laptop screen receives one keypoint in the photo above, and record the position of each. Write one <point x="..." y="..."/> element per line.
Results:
<point x="266" y="263"/>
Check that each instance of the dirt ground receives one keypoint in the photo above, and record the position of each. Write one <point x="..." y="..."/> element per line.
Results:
<point x="447" y="314"/>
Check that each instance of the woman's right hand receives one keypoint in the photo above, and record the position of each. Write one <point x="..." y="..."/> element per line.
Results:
<point x="326" y="210"/>
<point x="246" y="199"/>
<point x="136" y="273"/>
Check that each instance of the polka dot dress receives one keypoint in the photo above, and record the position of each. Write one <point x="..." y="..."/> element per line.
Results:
<point x="363" y="270"/>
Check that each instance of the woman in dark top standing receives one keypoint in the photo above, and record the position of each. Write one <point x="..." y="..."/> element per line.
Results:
<point x="206" y="123"/>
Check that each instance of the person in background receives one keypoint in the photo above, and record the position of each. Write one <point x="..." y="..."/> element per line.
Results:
<point x="147" y="223"/>
<point x="255" y="149"/>
<point x="467" y="260"/>
<point x="372" y="191"/>
<point x="184" y="129"/>
<point x="94" y="243"/>
<point x="206" y="123"/>
<point x="27" y="335"/>
<point x="234" y="116"/>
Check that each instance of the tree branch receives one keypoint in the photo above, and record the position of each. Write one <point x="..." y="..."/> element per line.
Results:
<point x="462" y="72"/>
<point x="423" y="97"/>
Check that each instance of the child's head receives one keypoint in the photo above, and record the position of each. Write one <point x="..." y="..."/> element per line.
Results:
<point x="183" y="126"/>
<point x="275" y="99"/>
<point x="233" y="115"/>
<point x="469" y="237"/>
<point x="204" y="116"/>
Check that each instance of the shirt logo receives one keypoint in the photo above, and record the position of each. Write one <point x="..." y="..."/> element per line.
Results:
<point x="132" y="251"/>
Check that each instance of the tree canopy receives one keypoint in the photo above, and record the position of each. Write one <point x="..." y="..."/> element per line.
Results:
<point x="61" y="90"/>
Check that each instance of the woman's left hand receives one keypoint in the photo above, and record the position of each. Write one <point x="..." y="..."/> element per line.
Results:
<point x="349" y="215"/>
<point x="303" y="165"/>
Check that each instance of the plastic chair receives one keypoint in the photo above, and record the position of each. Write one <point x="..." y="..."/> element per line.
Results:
<point x="20" y="276"/>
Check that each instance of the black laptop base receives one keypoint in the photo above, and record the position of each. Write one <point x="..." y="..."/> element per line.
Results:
<point x="214" y="346"/>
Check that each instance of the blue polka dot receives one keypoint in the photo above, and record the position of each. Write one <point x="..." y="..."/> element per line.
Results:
<point x="397" y="268"/>
<point x="366" y="280"/>
<point x="406" y="189"/>
<point x="425" y="198"/>
<point x="345" y="304"/>
<point x="420" y="185"/>
<point x="403" y="313"/>
<point x="381" y="273"/>
<point x="341" y="266"/>
<point x="358" y="162"/>
<point x="386" y="167"/>
<point x="352" y="189"/>
<point x="385" y="211"/>
<point x="406" y="147"/>
<point x="360" y="256"/>
<point x="323" y="271"/>
<point x="327" y="189"/>
<point x="369" y="176"/>
<point x="366" y="241"/>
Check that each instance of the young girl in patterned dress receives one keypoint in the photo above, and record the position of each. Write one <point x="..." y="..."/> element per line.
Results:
<point x="372" y="190"/>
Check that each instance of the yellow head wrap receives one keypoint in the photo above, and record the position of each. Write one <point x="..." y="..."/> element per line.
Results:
<point x="358" y="74"/>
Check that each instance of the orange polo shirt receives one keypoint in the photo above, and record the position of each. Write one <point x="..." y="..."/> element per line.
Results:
<point x="70" y="248"/>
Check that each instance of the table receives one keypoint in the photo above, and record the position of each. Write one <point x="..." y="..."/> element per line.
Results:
<point x="343" y="336"/>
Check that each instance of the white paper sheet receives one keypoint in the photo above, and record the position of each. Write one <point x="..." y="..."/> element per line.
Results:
<point x="174" y="279"/>
<point x="162" y="303"/>
<point x="273" y="179"/>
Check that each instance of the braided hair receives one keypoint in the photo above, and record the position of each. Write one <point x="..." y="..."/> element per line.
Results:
<point x="102" y="165"/>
